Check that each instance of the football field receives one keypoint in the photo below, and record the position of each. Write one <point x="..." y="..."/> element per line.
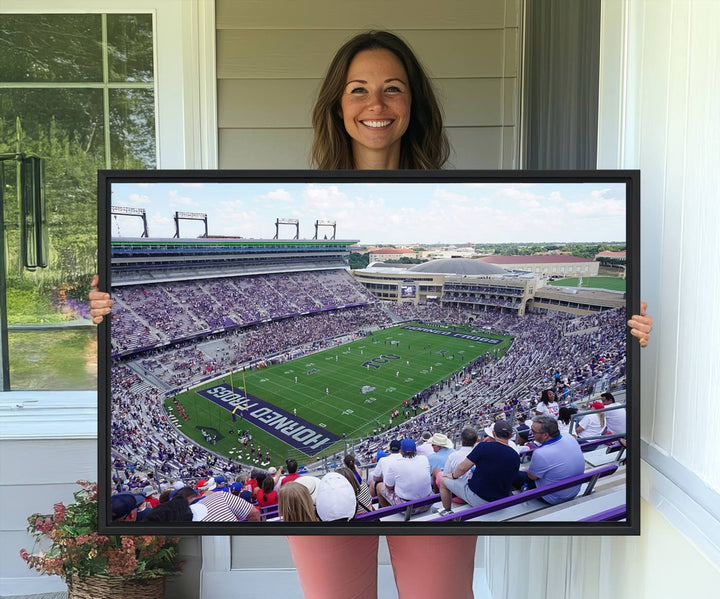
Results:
<point x="309" y="404"/>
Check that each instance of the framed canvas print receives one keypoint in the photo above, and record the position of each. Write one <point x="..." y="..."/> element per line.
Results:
<point x="359" y="352"/>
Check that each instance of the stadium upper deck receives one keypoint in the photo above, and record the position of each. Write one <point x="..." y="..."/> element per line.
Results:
<point x="141" y="260"/>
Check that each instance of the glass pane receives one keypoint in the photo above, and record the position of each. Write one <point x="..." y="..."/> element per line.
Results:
<point x="50" y="48"/>
<point x="54" y="359"/>
<point x="65" y="128"/>
<point x="130" y="47"/>
<point x="52" y="344"/>
<point x="132" y="128"/>
<point x="49" y="117"/>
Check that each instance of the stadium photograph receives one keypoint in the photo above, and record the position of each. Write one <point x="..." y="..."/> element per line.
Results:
<point x="455" y="351"/>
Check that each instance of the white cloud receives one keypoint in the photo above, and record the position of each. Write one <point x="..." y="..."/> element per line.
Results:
<point x="136" y="198"/>
<point x="598" y="207"/>
<point x="177" y="200"/>
<point x="278" y="195"/>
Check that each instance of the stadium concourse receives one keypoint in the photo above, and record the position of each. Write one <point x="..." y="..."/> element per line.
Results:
<point x="177" y="333"/>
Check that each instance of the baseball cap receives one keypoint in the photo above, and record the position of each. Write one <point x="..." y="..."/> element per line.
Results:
<point x="408" y="445"/>
<point x="395" y="445"/>
<point x="380" y="454"/>
<point x="503" y="429"/>
<point x="209" y="485"/>
<point x="335" y="498"/>
<point x="149" y="490"/>
<point x="122" y="504"/>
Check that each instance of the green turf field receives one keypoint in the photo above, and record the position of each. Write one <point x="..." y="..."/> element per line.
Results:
<point x="611" y="283"/>
<point x="349" y="390"/>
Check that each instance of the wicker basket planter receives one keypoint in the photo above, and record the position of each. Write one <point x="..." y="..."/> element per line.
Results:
<point x="116" y="587"/>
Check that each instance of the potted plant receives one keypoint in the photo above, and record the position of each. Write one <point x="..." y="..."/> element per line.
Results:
<point x="93" y="566"/>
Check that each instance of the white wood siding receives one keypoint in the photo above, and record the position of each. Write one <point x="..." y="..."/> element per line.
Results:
<point x="271" y="58"/>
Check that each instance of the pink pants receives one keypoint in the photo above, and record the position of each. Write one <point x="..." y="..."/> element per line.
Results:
<point x="335" y="567"/>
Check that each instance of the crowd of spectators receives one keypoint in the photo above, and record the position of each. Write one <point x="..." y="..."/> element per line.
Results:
<point x="484" y="468"/>
<point x="147" y="447"/>
<point x="162" y="313"/>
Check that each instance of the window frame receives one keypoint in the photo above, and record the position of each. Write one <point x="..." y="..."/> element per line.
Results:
<point x="185" y="105"/>
<point x="188" y="32"/>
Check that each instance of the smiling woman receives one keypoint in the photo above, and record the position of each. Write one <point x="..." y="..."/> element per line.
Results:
<point x="375" y="78"/>
<point x="375" y="108"/>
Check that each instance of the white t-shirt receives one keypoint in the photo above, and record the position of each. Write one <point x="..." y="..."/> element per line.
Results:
<point x="410" y="477"/>
<point x="425" y="449"/>
<point x="615" y="421"/>
<point x="591" y="426"/>
<point x="383" y="464"/>
<point x="551" y="409"/>
<point x="455" y="458"/>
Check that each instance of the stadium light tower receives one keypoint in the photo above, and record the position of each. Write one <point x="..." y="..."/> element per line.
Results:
<point x="189" y="216"/>
<point x="325" y="223"/>
<point x="128" y="211"/>
<point x="287" y="221"/>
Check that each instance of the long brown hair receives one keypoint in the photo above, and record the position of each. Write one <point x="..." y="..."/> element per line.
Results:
<point x="295" y="503"/>
<point x="424" y="145"/>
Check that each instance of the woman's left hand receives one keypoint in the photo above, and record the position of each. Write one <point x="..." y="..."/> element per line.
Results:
<point x="641" y="325"/>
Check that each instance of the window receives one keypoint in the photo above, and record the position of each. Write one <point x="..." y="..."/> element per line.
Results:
<point x="78" y="90"/>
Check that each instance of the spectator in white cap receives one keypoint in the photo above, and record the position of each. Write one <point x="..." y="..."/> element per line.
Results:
<point x="311" y="483"/>
<point x="335" y="499"/>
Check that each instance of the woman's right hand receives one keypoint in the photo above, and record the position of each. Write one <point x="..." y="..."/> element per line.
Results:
<point x="100" y="302"/>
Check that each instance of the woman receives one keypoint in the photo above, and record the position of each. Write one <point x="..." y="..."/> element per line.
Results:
<point x="566" y="413"/>
<point x="363" y="499"/>
<point x="266" y="494"/>
<point x="349" y="461"/>
<point x="376" y="109"/>
<point x="547" y="406"/>
<point x="591" y="425"/>
<point x="295" y="503"/>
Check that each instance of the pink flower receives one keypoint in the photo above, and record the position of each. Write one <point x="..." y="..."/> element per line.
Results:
<point x="43" y="526"/>
<point x="121" y="562"/>
<point x="59" y="512"/>
<point x="128" y="543"/>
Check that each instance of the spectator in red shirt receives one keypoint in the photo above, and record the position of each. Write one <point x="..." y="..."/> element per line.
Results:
<point x="267" y="495"/>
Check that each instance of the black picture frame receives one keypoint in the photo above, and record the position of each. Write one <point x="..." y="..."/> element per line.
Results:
<point x="628" y="179"/>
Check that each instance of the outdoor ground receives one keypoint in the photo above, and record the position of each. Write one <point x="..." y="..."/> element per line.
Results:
<point x="348" y="390"/>
<point x="612" y="283"/>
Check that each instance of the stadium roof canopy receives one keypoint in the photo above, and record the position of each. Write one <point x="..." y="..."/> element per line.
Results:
<point x="458" y="266"/>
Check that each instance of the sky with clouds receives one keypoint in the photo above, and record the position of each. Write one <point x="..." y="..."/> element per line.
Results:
<point x="382" y="213"/>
